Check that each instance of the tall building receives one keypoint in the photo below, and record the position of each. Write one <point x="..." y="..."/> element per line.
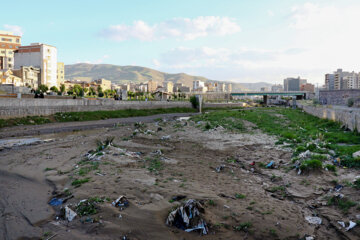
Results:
<point x="329" y="81"/>
<point x="60" y="73"/>
<point x="41" y="56"/>
<point x="152" y="86"/>
<point x="105" y="84"/>
<point x="341" y="80"/>
<point x="8" y="44"/>
<point x="228" y="87"/>
<point x="168" y="87"/>
<point x="293" y="84"/>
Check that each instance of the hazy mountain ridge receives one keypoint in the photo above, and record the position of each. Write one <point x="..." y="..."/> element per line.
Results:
<point x="137" y="74"/>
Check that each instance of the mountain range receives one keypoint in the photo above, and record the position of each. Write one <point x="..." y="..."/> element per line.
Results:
<point x="125" y="74"/>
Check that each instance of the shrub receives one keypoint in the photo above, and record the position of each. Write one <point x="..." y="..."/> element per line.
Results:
<point x="194" y="101"/>
<point x="312" y="164"/>
<point x="330" y="167"/>
<point x="343" y="203"/>
<point x="350" y="102"/>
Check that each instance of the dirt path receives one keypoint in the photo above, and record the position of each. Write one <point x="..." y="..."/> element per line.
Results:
<point x="77" y="126"/>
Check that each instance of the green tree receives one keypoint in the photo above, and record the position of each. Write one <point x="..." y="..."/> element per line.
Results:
<point x="78" y="90"/>
<point x="99" y="89"/>
<point x="85" y="90"/>
<point x="92" y="91"/>
<point x="43" y="88"/>
<point x="54" y="89"/>
<point x="62" y="88"/>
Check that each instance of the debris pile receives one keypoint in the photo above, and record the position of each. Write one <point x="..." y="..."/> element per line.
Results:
<point x="121" y="202"/>
<point x="188" y="218"/>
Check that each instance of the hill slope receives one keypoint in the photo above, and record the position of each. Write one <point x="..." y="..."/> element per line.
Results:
<point x="122" y="74"/>
<point x="136" y="74"/>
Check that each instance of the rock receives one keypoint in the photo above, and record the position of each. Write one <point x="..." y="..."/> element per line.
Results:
<point x="356" y="154"/>
<point x="156" y="196"/>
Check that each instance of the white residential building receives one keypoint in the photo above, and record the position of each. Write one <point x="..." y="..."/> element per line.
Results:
<point x="42" y="56"/>
<point x="198" y="84"/>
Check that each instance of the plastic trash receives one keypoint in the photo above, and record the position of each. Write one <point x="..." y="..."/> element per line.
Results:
<point x="338" y="187"/>
<point x="341" y="223"/>
<point x="69" y="214"/>
<point x="270" y="164"/>
<point x="187" y="217"/>
<point x="313" y="220"/>
<point x="253" y="163"/>
<point x="219" y="168"/>
<point x="56" y="202"/>
<point x="121" y="202"/>
<point x="351" y="225"/>
<point x="167" y="137"/>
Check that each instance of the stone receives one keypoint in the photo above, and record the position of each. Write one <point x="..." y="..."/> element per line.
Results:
<point x="356" y="154"/>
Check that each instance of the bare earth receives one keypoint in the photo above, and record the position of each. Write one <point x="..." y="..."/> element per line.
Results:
<point x="189" y="158"/>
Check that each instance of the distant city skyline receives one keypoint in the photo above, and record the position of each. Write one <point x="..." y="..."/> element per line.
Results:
<point x="241" y="41"/>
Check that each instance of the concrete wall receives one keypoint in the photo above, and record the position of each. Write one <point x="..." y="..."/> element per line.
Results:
<point x="223" y="105"/>
<point x="10" y="107"/>
<point x="348" y="117"/>
<point x="338" y="97"/>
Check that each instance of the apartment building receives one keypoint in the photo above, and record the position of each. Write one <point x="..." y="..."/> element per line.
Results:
<point x="277" y="88"/>
<point x="60" y="73"/>
<point x="293" y="84"/>
<point x="152" y="86"/>
<point x="105" y="84"/>
<point x="307" y="87"/>
<point x="198" y="84"/>
<point x="168" y="87"/>
<point x="41" y="56"/>
<point x="30" y="76"/>
<point x="330" y="81"/>
<point x="341" y="80"/>
<point x="8" y="44"/>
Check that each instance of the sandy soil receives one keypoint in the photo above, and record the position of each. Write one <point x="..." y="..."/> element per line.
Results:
<point x="189" y="158"/>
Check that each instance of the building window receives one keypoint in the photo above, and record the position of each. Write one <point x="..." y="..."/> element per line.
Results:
<point x="10" y="46"/>
<point x="9" y="59"/>
<point x="17" y="40"/>
<point x="10" y="65"/>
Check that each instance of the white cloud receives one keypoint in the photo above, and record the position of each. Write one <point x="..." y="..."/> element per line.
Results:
<point x="270" y="13"/>
<point x="17" y="30"/>
<point x="179" y="28"/>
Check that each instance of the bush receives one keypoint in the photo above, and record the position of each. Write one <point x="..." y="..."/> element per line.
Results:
<point x="350" y="102"/>
<point x="351" y="162"/>
<point x="330" y="167"/>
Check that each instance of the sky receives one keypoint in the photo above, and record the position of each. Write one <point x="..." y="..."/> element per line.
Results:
<point x="232" y="40"/>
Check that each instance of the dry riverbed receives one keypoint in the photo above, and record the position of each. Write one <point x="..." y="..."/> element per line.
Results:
<point x="151" y="164"/>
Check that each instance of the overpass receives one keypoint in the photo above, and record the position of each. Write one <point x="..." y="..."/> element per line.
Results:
<point x="259" y="93"/>
<point x="296" y="94"/>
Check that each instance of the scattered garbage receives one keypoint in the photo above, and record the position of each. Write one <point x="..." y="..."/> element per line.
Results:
<point x="309" y="238"/>
<point x="358" y="216"/>
<point x="56" y="202"/>
<point x="219" y="168"/>
<point x="270" y="165"/>
<point x="69" y="214"/>
<point x="121" y="202"/>
<point x="351" y="225"/>
<point x="313" y="220"/>
<point x="167" y="137"/>
<point x="156" y="152"/>
<point x="187" y="217"/>
<point x="183" y="118"/>
<point x="338" y="187"/>
<point x="305" y="154"/>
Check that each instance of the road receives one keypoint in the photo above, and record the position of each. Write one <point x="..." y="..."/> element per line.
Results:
<point x="30" y="130"/>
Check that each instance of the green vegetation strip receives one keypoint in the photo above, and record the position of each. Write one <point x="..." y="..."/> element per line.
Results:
<point x="293" y="127"/>
<point x="89" y="116"/>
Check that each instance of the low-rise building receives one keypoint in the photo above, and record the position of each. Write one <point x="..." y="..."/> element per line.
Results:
<point x="152" y="86"/>
<point x="30" y="76"/>
<point x="105" y="84"/>
<point x="277" y="88"/>
<point x="308" y="87"/>
<point x="7" y="77"/>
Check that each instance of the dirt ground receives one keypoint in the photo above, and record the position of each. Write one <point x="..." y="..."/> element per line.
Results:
<point x="272" y="202"/>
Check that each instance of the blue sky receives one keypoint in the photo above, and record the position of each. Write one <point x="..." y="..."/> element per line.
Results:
<point x="242" y="41"/>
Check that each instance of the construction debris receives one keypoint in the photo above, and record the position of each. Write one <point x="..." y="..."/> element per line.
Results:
<point x="69" y="214"/>
<point x="187" y="217"/>
<point x="121" y="202"/>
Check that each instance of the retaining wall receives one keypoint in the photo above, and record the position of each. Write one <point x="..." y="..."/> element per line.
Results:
<point x="349" y="118"/>
<point x="10" y="108"/>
